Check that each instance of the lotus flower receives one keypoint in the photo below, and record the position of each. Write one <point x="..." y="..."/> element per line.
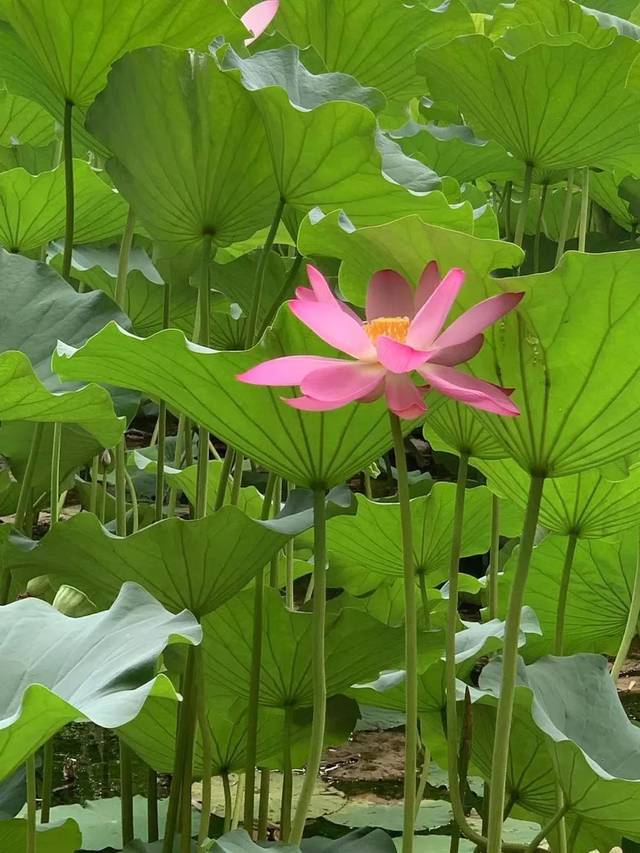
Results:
<point x="258" y="17"/>
<point x="402" y="335"/>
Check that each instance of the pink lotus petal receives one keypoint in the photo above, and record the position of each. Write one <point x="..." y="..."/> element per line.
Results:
<point x="389" y="295"/>
<point x="429" y="280"/>
<point x="458" y="353"/>
<point x="320" y="286"/>
<point x="431" y="317"/>
<point x="305" y="293"/>
<point x="288" y="370"/>
<point x="474" y="392"/>
<point x="308" y="404"/>
<point x="398" y="357"/>
<point x="346" y="381"/>
<point x="478" y="318"/>
<point x="258" y="17"/>
<point x="335" y="326"/>
<point x="403" y="397"/>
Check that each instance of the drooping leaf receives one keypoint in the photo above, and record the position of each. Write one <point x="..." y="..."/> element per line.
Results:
<point x="32" y="207"/>
<point x="590" y="120"/>
<point x="586" y="505"/>
<point x="100" y="667"/>
<point x="239" y="841"/>
<point x="72" y="47"/>
<point x="310" y="449"/>
<point x="192" y="565"/>
<point x="55" y="838"/>
<point x="43" y="308"/>
<point x="372" y="40"/>
<point x="598" y="599"/>
<point x="606" y="189"/>
<point x="359" y="841"/>
<point x="184" y="178"/>
<point x="366" y="550"/>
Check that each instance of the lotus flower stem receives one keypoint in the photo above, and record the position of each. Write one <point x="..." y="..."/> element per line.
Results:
<point x="256" y="302"/>
<point x="536" y="245"/>
<point x="120" y="458"/>
<point x="123" y="260"/>
<point x="228" y="800"/>
<point x="366" y="476"/>
<point x="153" y="831"/>
<point x="504" y="715"/>
<point x="524" y="205"/>
<point x="316" y="739"/>
<point x="290" y="564"/>
<point x="506" y="205"/>
<point x="224" y="478"/>
<point x="584" y="211"/>
<point x="207" y="756"/>
<point x="285" y="290"/>
<point x="162" y="418"/>
<point x="410" y="638"/>
<point x="287" y="778"/>
<point x="54" y="490"/>
<point x="254" y="679"/>
<point x="24" y="498"/>
<point x="566" y="216"/>
<point x="547" y="828"/>
<point x="31" y="804"/>
<point x="237" y="478"/>
<point x="93" y="490"/>
<point x="177" y="462"/>
<point x="631" y="628"/>
<point x="494" y="558"/>
<point x="558" y="647"/>
<point x="47" y="781"/>
<point x="135" y="516"/>
<point x="263" y="803"/>
<point x="424" y="595"/>
<point x="126" y="794"/>
<point x="424" y="775"/>
<point x="67" y="149"/>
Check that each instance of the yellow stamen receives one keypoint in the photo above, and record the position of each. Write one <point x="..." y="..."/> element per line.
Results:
<point x="390" y="327"/>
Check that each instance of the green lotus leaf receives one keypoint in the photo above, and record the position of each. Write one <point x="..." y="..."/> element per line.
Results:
<point x="152" y="735"/>
<point x="453" y="427"/>
<point x="286" y="661"/>
<point x="454" y="150"/>
<point x="310" y="449"/>
<point x="585" y="740"/>
<point x="57" y="838"/>
<point x="32" y="207"/>
<point x="326" y="149"/>
<point x="23" y="122"/>
<point x="239" y="841"/>
<point x="572" y="362"/>
<point x="560" y="18"/>
<point x="372" y="40"/>
<point x="605" y="188"/>
<point x="184" y="178"/>
<point x="366" y="550"/>
<point x="586" y="505"/>
<point x="99" y="667"/>
<point x="405" y="245"/>
<point x="71" y="48"/>
<point x="193" y="565"/>
<point x="364" y="840"/>
<point x="591" y="119"/>
<point x="598" y="600"/>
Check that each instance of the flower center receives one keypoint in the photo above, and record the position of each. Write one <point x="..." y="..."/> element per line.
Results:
<point x="390" y="327"/>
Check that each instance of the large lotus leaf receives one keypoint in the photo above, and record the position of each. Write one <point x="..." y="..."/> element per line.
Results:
<point x="309" y="449"/>
<point x="592" y="746"/>
<point x="604" y="189"/>
<point x="554" y="18"/>
<point x="100" y="667"/>
<point x="373" y="40"/>
<point x="452" y="426"/>
<point x="572" y="362"/>
<point x="239" y="841"/>
<point x="56" y="838"/>
<point x="32" y="207"/>
<point x="286" y="658"/>
<point x="599" y="595"/>
<point x="586" y="505"/>
<point x="43" y="308"/>
<point x="72" y="44"/>
<point x="24" y="122"/>
<point x="366" y="550"/>
<point x="454" y="150"/>
<point x="326" y="150"/>
<point x="184" y="176"/>
<point x="405" y="245"/>
<point x="591" y="119"/>
<point x="195" y="565"/>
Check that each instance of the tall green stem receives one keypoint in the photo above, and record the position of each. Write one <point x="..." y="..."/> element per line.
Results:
<point x="506" y="204"/>
<point x="224" y="478"/>
<point x="494" y="558"/>
<point x="126" y="794"/>
<point x="177" y="463"/>
<point x="287" y="778"/>
<point x="566" y="216"/>
<point x="254" y="678"/>
<point x="204" y="335"/>
<point x="47" y="781"/>
<point x="207" y="759"/>
<point x="153" y="829"/>
<point x="256" y="302"/>
<point x="123" y="260"/>
<point x="285" y="290"/>
<point x="536" y="243"/>
<point x="524" y="205"/>
<point x="547" y="828"/>
<point x="237" y="477"/>
<point x="31" y="804"/>
<point x="67" y="144"/>
<point x="424" y="595"/>
<point x="563" y="593"/>
<point x="263" y="805"/>
<point x="120" y="458"/>
<point x="162" y="418"/>
<point x="24" y="498"/>
<point x="410" y="639"/>
<point x="228" y="801"/>
<point x="504" y="714"/>
<point x="54" y="490"/>
<point x="631" y="627"/>
<point x="93" y="491"/>
<point x="584" y="211"/>
<point x="317" y="666"/>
